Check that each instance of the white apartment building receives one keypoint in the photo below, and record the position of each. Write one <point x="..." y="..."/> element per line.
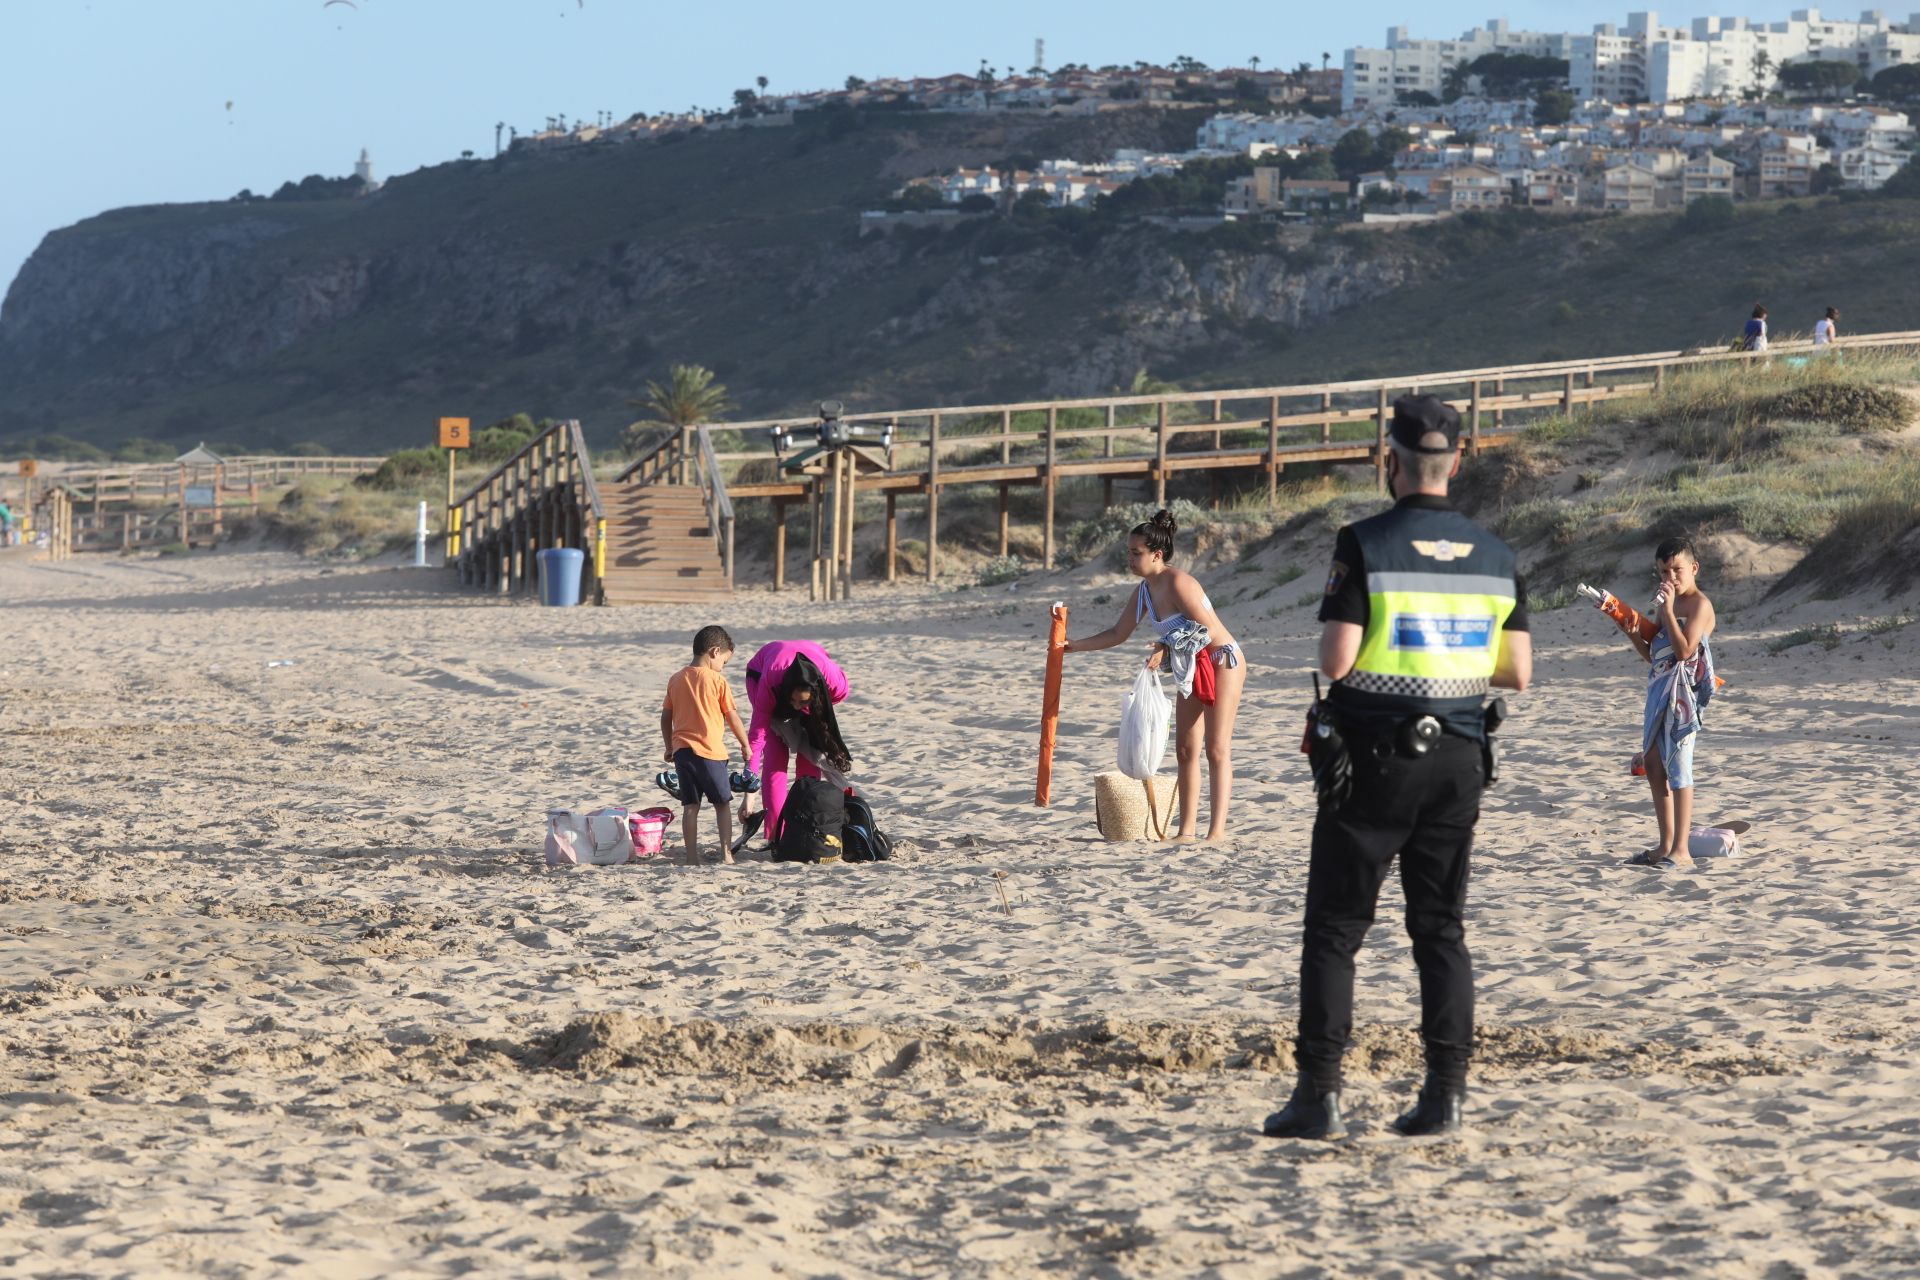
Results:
<point x="1376" y="77"/>
<point x="1868" y="168"/>
<point x="1642" y="61"/>
<point x="1730" y="57"/>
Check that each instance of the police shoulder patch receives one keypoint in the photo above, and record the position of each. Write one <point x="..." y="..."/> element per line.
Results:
<point x="1443" y="550"/>
<point x="1335" y="576"/>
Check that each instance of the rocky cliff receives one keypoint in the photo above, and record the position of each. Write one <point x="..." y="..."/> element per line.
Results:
<point x="559" y="285"/>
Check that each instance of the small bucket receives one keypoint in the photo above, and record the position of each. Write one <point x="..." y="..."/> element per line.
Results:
<point x="649" y="828"/>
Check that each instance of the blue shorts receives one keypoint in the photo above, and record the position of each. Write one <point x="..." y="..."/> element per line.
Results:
<point x="700" y="776"/>
<point x="1680" y="768"/>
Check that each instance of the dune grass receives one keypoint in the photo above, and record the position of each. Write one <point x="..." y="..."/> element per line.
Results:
<point x="332" y="516"/>
<point x="1801" y="453"/>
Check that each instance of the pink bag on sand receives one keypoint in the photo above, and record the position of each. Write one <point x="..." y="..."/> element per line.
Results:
<point x="1713" y="842"/>
<point x="649" y="828"/>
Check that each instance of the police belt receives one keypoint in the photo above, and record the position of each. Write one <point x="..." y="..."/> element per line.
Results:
<point x="1412" y="738"/>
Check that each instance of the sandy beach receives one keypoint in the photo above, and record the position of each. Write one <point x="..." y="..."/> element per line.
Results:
<point x="285" y="988"/>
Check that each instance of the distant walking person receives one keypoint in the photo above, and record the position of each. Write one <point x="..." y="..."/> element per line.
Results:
<point x="1424" y="611"/>
<point x="1755" y="336"/>
<point x="1826" y="330"/>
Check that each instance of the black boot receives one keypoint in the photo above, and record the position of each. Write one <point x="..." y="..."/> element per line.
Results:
<point x="1437" y="1110"/>
<point x="1308" y="1114"/>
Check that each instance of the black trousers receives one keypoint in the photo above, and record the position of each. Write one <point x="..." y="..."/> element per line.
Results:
<point x="1422" y="809"/>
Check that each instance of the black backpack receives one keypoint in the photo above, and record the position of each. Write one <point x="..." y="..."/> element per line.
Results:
<point x="864" y="840"/>
<point x="811" y="823"/>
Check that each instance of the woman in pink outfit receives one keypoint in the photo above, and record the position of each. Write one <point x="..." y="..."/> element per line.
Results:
<point x="792" y="686"/>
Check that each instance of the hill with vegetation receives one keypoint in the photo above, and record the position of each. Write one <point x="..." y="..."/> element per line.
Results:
<point x="558" y="284"/>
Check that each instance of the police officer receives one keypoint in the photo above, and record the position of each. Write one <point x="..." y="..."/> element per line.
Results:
<point x="1424" y="610"/>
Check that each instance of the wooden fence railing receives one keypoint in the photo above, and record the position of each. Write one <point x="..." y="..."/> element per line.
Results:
<point x="132" y="528"/>
<point x="159" y="481"/>
<point x="1151" y="437"/>
<point x="542" y="497"/>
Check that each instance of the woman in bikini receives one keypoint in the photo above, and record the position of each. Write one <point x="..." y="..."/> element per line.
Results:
<point x="1172" y="601"/>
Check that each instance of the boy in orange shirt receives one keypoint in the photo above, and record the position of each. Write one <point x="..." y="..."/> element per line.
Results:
<point x="699" y="708"/>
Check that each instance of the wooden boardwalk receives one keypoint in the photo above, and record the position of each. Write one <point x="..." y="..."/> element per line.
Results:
<point x="1256" y="431"/>
<point x="921" y="453"/>
<point x="127" y="507"/>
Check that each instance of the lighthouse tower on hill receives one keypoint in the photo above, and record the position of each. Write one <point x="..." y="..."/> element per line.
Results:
<point x="364" y="171"/>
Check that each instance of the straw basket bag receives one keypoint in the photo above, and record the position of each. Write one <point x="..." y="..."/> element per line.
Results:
<point x="1133" y="808"/>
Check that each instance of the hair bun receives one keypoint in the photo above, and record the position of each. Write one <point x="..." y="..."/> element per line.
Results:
<point x="1163" y="519"/>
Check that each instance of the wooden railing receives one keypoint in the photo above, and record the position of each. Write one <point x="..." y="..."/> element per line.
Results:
<point x="159" y="481"/>
<point x="1151" y="437"/>
<point x="132" y="528"/>
<point x="713" y="487"/>
<point x="542" y="497"/>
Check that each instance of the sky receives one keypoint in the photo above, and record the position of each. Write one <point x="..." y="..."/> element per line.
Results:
<point x="123" y="102"/>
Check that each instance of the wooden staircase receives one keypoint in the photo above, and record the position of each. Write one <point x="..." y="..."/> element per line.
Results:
<point x="660" y="546"/>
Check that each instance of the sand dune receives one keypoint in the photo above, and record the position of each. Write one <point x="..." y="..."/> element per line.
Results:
<point x="285" y="989"/>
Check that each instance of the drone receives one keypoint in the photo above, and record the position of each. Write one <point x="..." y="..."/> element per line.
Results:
<point x="832" y="431"/>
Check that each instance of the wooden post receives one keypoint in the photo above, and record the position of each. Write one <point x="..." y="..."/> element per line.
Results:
<point x="186" y="538"/>
<point x="1589" y="387"/>
<point x="893" y="538"/>
<point x="1160" y="459"/>
<point x="1216" y="418"/>
<point x="1106" y="482"/>
<point x="96" y="499"/>
<point x="1566" y="397"/>
<point x="219" y="483"/>
<point x="835" y="461"/>
<point x="1499" y="415"/>
<point x="1380" y="443"/>
<point x="1659" y="378"/>
<point x="1273" y="452"/>
<point x="1473" y="417"/>
<point x="853" y="489"/>
<point x="816" y="509"/>
<point x="779" y="543"/>
<point x="126" y="530"/>
<point x="1326" y="428"/>
<point x="1053" y="487"/>
<point x="933" y="497"/>
<point x="1004" y="488"/>
<point x="1006" y="444"/>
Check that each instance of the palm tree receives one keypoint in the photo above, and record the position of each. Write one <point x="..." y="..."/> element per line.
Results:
<point x="690" y="397"/>
<point x="1145" y="384"/>
<point x="1761" y="62"/>
<point x="1254" y="62"/>
<point x="762" y="82"/>
<point x="1325" y="58"/>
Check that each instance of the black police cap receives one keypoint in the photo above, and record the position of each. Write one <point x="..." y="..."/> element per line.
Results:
<point x="1416" y="416"/>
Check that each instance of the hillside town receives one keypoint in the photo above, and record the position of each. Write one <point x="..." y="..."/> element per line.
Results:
<point x="1634" y="119"/>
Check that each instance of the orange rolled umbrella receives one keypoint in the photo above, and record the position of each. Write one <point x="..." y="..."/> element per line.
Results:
<point x="1050" y="705"/>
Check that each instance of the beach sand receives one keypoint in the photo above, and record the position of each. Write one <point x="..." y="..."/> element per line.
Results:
<point x="285" y="988"/>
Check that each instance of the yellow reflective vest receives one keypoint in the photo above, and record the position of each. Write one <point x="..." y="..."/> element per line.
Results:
<point x="1439" y="590"/>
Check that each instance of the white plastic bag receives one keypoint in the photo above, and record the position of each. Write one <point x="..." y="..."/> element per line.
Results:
<point x="601" y="838"/>
<point x="1146" y="720"/>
